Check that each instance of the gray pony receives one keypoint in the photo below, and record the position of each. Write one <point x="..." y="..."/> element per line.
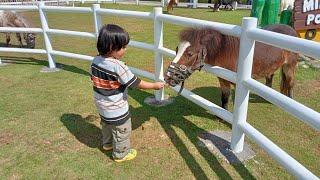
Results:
<point x="13" y="19"/>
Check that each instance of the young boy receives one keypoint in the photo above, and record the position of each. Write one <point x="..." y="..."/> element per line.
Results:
<point x="111" y="78"/>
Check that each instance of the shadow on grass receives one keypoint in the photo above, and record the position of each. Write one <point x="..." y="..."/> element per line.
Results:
<point x="84" y="130"/>
<point x="12" y="45"/>
<point x="213" y="94"/>
<point x="89" y="134"/>
<point x="169" y="117"/>
<point x="39" y="62"/>
<point x="173" y="116"/>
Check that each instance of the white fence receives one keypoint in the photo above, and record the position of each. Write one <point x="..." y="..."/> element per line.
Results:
<point x="248" y="33"/>
<point x="194" y="4"/>
<point x="33" y="2"/>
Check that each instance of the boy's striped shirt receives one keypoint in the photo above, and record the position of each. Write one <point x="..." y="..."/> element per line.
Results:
<point x="111" y="78"/>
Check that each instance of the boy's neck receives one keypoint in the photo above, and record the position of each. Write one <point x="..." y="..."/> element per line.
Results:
<point x="109" y="57"/>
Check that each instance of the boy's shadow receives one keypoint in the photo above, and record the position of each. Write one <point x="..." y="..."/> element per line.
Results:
<point x="84" y="130"/>
<point x="40" y="62"/>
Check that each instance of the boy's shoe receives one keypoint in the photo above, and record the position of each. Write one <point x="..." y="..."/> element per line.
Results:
<point x="131" y="155"/>
<point x="107" y="148"/>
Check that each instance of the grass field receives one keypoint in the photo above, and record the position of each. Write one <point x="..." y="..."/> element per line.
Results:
<point x="49" y="128"/>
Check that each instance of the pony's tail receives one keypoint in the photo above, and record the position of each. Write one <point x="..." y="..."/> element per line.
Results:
<point x="283" y="87"/>
<point x="287" y="73"/>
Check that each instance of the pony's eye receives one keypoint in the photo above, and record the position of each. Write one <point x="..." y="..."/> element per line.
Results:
<point x="190" y="54"/>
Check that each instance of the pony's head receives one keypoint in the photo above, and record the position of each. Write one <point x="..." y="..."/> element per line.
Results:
<point x="30" y="39"/>
<point x="188" y="59"/>
<point x="197" y="47"/>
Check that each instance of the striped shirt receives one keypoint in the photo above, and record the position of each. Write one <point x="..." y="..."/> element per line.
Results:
<point x="111" y="78"/>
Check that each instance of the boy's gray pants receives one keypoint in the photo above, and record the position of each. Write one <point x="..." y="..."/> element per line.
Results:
<point x="118" y="137"/>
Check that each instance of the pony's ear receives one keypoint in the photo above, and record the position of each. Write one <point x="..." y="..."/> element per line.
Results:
<point x="202" y="53"/>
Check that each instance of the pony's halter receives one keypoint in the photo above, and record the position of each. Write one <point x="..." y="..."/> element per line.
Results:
<point x="179" y="72"/>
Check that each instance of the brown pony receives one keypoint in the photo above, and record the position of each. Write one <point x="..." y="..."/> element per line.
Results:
<point x="199" y="46"/>
<point x="170" y="5"/>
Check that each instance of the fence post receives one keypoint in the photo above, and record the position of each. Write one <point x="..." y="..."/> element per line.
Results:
<point x="45" y="27"/>
<point x="242" y="94"/>
<point x="96" y="19"/>
<point x="163" y="3"/>
<point x="137" y="2"/>
<point x="114" y="1"/>
<point x="158" y="43"/>
<point x="195" y="3"/>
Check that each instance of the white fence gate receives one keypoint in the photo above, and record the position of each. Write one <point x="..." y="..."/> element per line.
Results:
<point x="248" y="33"/>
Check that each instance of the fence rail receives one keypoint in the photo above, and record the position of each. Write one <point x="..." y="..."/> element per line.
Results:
<point x="248" y="34"/>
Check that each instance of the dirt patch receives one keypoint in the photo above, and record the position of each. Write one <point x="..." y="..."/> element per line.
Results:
<point x="308" y="87"/>
<point x="150" y="136"/>
<point x="15" y="176"/>
<point x="6" y="138"/>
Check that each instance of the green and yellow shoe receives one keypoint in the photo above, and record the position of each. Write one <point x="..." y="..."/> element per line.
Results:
<point x="131" y="155"/>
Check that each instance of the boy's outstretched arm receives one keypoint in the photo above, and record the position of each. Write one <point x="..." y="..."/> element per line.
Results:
<point x="150" y="85"/>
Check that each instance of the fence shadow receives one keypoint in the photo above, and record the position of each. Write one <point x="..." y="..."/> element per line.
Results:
<point x="40" y="62"/>
<point x="86" y="132"/>
<point x="173" y="116"/>
<point x="23" y="60"/>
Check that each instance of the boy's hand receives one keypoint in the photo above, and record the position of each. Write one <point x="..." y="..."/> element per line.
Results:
<point x="158" y="85"/>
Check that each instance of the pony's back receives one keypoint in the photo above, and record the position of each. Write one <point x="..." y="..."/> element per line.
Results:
<point x="281" y="28"/>
<point x="12" y="19"/>
<point x="267" y="59"/>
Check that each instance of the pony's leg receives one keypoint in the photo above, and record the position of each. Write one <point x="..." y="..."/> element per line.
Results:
<point x="19" y="39"/>
<point x="269" y="80"/>
<point x="8" y="39"/>
<point x="216" y="5"/>
<point x="225" y="93"/>
<point x="170" y="7"/>
<point x="287" y="75"/>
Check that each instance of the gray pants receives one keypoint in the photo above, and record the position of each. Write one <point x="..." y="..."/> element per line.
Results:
<point x="118" y="137"/>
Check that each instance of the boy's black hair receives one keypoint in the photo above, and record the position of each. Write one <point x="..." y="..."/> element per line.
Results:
<point x="111" y="38"/>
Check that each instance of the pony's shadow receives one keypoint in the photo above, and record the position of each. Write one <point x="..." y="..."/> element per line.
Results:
<point x="173" y="115"/>
<point x="40" y="62"/>
<point x="213" y="94"/>
<point x="12" y="45"/>
<point x="84" y="130"/>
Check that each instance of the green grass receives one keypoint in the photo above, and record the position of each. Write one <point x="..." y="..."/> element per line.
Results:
<point x="50" y="128"/>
